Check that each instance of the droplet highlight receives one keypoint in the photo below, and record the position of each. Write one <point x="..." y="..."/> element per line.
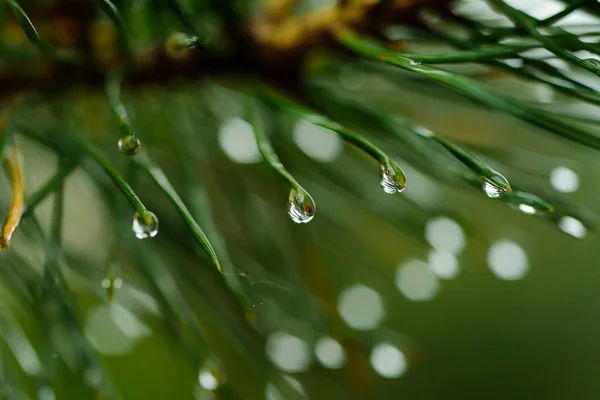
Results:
<point x="129" y="145"/>
<point x="392" y="179"/>
<point x="145" y="225"/>
<point x="301" y="207"/>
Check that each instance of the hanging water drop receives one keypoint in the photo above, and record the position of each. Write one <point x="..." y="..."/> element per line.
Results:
<point x="129" y="145"/>
<point x="301" y="207"/>
<point x="211" y="375"/>
<point x="178" y="45"/>
<point x="392" y="179"/>
<point x="492" y="190"/>
<point x="145" y="225"/>
<point x="111" y="285"/>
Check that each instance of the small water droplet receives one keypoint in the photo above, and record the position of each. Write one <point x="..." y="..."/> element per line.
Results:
<point x="145" y="225"/>
<point x="392" y="179"/>
<point x="492" y="190"/>
<point x="111" y="285"/>
<point x="301" y="207"/>
<point x="178" y="44"/>
<point x="211" y="375"/>
<point x="593" y="61"/>
<point x="129" y="145"/>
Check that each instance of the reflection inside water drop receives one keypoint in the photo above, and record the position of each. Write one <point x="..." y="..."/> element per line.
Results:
<point x="392" y="179"/>
<point x="145" y="225"/>
<point x="301" y="207"/>
<point x="492" y="191"/>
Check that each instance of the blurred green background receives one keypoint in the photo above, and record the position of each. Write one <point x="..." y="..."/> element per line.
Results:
<point x="435" y="293"/>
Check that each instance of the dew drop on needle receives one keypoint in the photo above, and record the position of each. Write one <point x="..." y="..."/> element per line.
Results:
<point x="392" y="179"/>
<point x="493" y="191"/>
<point x="129" y="145"/>
<point x="145" y="225"/>
<point x="301" y="207"/>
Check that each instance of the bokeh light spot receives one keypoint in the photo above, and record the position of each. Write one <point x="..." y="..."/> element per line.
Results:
<point x="416" y="280"/>
<point x="564" y="180"/>
<point x="507" y="260"/>
<point x="330" y="353"/>
<point x="443" y="264"/>
<point x="317" y="142"/>
<point x="573" y="227"/>
<point x="352" y="78"/>
<point x="444" y="233"/>
<point x="361" y="307"/>
<point x="388" y="361"/>
<point x="288" y="352"/>
<point x="236" y="138"/>
<point x="273" y="393"/>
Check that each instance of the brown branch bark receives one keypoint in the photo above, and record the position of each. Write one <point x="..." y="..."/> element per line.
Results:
<point x="274" y="47"/>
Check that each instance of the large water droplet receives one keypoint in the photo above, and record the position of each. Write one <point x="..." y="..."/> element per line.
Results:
<point x="129" y="145"/>
<point x="301" y="207"/>
<point x="145" y="225"/>
<point x="211" y="374"/>
<point x="392" y="179"/>
<point x="111" y="285"/>
<point x="492" y="190"/>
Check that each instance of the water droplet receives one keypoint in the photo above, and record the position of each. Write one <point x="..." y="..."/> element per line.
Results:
<point x="301" y="207"/>
<point x="145" y="225"/>
<point x="111" y="285"/>
<point x="129" y="145"/>
<point x="211" y="374"/>
<point x="392" y="179"/>
<point x="492" y="190"/>
<point x="178" y="44"/>
<point x="593" y="61"/>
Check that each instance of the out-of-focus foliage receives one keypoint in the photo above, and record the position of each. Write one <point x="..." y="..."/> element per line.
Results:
<point x="443" y="155"/>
